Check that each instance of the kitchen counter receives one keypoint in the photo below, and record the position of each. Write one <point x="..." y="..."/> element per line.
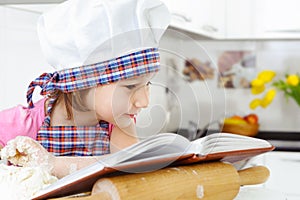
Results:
<point x="259" y="193"/>
<point x="284" y="177"/>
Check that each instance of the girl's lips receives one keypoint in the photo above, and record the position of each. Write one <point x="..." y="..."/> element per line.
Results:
<point x="131" y="115"/>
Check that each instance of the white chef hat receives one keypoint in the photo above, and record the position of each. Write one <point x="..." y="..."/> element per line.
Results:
<point x="83" y="32"/>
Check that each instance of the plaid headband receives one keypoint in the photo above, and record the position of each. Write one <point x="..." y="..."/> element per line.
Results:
<point x="83" y="77"/>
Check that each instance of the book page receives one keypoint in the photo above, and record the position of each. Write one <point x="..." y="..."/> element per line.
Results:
<point x="224" y="142"/>
<point x="153" y="146"/>
<point x="166" y="144"/>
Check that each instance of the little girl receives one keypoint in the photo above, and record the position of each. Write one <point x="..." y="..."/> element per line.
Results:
<point x="105" y="53"/>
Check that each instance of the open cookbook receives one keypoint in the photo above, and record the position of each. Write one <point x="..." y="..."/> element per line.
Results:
<point x="157" y="152"/>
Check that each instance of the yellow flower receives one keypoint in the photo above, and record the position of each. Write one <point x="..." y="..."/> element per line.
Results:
<point x="268" y="98"/>
<point x="254" y="103"/>
<point x="290" y="87"/>
<point x="257" y="83"/>
<point x="293" y="80"/>
<point x="266" y="76"/>
<point x="257" y="86"/>
<point x="257" y="90"/>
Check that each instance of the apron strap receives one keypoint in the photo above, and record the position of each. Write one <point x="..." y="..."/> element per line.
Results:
<point x="49" y="110"/>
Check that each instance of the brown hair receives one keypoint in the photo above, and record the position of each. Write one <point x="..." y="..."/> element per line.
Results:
<point x="72" y="100"/>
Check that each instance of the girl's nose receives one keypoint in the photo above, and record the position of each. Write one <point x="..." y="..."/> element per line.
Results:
<point x="141" y="97"/>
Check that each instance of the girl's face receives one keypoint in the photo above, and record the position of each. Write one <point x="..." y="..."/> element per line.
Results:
<point x="119" y="102"/>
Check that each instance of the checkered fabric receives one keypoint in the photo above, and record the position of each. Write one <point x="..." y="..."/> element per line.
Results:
<point x="75" y="140"/>
<point x="124" y="67"/>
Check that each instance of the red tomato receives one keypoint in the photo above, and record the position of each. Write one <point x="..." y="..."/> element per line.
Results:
<point x="251" y="118"/>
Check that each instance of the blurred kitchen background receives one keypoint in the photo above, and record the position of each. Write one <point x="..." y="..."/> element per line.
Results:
<point x="266" y="32"/>
<point x="256" y="34"/>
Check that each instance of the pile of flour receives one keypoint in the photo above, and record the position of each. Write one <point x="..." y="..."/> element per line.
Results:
<point x="20" y="183"/>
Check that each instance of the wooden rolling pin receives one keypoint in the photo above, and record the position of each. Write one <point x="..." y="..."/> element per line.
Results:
<point x="207" y="181"/>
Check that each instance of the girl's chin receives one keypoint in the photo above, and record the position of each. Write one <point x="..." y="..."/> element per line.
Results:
<point x="123" y="121"/>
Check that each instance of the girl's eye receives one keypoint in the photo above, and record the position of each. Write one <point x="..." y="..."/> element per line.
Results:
<point x="130" y="87"/>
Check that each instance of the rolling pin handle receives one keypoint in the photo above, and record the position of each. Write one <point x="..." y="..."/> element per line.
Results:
<point x="254" y="175"/>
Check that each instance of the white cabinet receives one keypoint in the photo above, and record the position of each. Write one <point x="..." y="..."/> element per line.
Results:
<point x="279" y="19"/>
<point x="236" y="19"/>
<point x="262" y="19"/>
<point x="203" y="17"/>
<point x="240" y="19"/>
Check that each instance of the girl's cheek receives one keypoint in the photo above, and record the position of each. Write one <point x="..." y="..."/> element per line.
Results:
<point x="121" y="97"/>
<point x="119" y="108"/>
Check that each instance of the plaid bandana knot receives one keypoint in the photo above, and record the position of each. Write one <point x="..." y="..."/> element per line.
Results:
<point x="46" y="82"/>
